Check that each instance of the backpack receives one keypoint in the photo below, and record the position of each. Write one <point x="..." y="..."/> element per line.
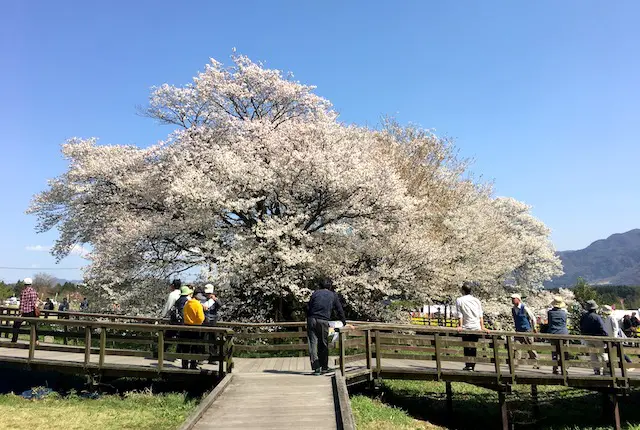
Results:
<point x="175" y="315"/>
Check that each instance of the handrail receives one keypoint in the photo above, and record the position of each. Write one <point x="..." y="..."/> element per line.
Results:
<point x="87" y="314"/>
<point x="360" y="326"/>
<point x="219" y="336"/>
<point x="438" y="345"/>
<point x="122" y="326"/>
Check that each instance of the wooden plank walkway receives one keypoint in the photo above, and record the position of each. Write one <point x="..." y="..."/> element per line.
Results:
<point x="273" y="401"/>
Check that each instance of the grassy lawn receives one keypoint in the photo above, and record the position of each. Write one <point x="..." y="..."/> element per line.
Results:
<point x="372" y="414"/>
<point x="422" y="405"/>
<point x="133" y="411"/>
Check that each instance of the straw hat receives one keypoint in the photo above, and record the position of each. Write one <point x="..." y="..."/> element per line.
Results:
<point x="607" y="310"/>
<point x="558" y="302"/>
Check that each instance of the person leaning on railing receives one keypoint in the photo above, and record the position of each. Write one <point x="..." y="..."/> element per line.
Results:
<point x="525" y="322"/>
<point x="193" y="314"/>
<point x="168" y="310"/>
<point x="592" y="325"/>
<point x="471" y="317"/>
<point x="28" y="306"/>
<point x="211" y="305"/>
<point x="611" y="326"/>
<point x="557" y="317"/>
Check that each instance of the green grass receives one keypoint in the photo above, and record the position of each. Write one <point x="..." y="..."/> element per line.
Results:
<point x="477" y="408"/>
<point x="140" y="411"/>
<point x="372" y="414"/>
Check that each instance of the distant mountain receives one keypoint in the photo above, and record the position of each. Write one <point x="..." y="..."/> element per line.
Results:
<point x="614" y="260"/>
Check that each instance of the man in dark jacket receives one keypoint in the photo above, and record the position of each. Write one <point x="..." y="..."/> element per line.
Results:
<point x="592" y="325"/>
<point x="322" y="303"/>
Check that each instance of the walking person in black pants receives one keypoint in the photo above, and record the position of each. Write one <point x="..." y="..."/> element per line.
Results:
<point x="323" y="301"/>
<point x="471" y="318"/>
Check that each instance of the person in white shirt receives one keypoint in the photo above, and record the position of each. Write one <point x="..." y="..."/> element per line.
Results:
<point x="612" y="327"/>
<point x="471" y="318"/>
<point x="173" y="297"/>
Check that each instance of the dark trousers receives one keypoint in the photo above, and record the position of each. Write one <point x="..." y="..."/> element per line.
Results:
<point x="171" y="335"/>
<point x="556" y="343"/>
<point x="17" y="324"/>
<point x="470" y="351"/>
<point x="190" y="349"/>
<point x="211" y="340"/>
<point x="318" y="334"/>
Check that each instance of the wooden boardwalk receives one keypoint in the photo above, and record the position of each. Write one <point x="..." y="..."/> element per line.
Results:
<point x="280" y="392"/>
<point x="273" y="401"/>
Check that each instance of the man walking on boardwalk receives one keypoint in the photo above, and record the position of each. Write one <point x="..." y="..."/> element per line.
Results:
<point x="28" y="305"/>
<point x="471" y="318"/>
<point x="525" y="322"/>
<point x="322" y="303"/>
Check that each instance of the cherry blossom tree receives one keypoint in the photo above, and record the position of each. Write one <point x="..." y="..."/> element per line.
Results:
<point x="261" y="188"/>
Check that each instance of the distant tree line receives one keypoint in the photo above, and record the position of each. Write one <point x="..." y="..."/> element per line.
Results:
<point x="46" y="286"/>
<point x="620" y="296"/>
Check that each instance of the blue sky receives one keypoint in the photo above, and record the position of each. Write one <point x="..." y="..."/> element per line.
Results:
<point x="543" y="95"/>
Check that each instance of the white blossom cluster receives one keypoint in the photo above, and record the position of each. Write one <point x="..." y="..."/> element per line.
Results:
<point x="262" y="188"/>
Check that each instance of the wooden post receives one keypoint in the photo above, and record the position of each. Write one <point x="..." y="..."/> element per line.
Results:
<point x="496" y="357"/>
<point x="103" y="346"/>
<point x="378" y="358"/>
<point x="612" y="360"/>
<point x="160" y="349"/>
<point x="222" y="353"/>
<point x="436" y="341"/>
<point x="536" y="405"/>
<point x="75" y="338"/>
<point x="504" y="413"/>
<point x="66" y="330"/>
<point x="561" y="357"/>
<point x="229" y="351"/>
<point x="449" y="390"/>
<point x="367" y="345"/>
<point x="512" y="365"/>
<point x="32" y="340"/>
<point x="616" y="412"/>
<point x="623" y="363"/>
<point x="87" y="345"/>
<point x="300" y="353"/>
<point x="341" y="339"/>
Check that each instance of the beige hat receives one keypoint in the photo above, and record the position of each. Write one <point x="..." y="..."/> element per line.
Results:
<point x="208" y="289"/>
<point x="607" y="310"/>
<point x="558" y="302"/>
<point x="516" y="296"/>
<point x="27" y="281"/>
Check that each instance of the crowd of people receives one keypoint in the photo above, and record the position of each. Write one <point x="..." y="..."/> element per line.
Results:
<point x="191" y="307"/>
<point x="594" y="321"/>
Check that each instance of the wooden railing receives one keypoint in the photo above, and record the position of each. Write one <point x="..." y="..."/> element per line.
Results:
<point x="126" y="339"/>
<point x="374" y="350"/>
<point x="278" y="338"/>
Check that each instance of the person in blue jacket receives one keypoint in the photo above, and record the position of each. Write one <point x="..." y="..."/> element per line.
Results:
<point x="557" y="318"/>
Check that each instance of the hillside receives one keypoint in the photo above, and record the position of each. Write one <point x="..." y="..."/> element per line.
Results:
<point x="614" y="260"/>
